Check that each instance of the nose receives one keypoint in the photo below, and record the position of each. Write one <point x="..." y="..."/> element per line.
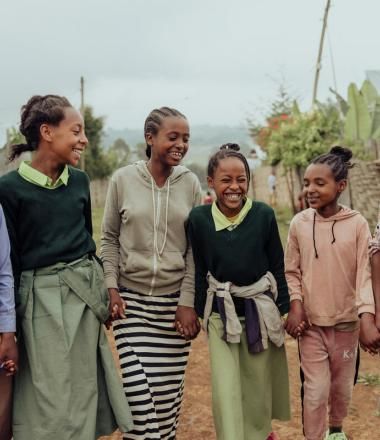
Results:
<point x="83" y="139"/>
<point x="234" y="185"/>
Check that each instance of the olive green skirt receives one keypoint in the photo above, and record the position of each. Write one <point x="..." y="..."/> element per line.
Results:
<point x="248" y="390"/>
<point x="67" y="387"/>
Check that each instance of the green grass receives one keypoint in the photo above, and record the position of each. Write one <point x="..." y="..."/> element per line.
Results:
<point x="369" y="379"/>
<point x="97" y="216"/>
<point x="283" y="215"/>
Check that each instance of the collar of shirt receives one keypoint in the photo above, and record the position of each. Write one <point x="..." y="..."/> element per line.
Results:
<point x="222" y="222"/>
<point x="34" y="176"/>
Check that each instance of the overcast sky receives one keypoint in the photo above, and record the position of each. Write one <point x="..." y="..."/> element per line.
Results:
<point x="218" y="61"/>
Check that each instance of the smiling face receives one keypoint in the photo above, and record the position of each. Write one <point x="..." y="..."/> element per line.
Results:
<point x="67" y="141"/>
<point x="321" y="189"/>
<point x="230" y="183"/>
<point x="171" y="142"/>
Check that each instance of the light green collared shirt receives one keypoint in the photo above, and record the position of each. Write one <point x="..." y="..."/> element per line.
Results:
<point x="223" y="222"/>
<point x="34" y="176"/>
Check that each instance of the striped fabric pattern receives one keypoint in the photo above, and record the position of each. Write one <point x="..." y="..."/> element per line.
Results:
<point x="153" y="359"/>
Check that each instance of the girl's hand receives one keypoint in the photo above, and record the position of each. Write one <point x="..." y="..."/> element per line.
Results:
<point x="377" y="321"/>
<point x="186" y="322"/>
<point x="9" y="353"/>
<point x="117" y="306"/>
<point x="369" y="334"/>
<point x="297" y="321"/>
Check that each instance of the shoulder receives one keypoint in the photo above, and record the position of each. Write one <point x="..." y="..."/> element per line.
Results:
<point x="123" y="173"/>
<point x="10" y="177"/>
<point x="200" y="214"/>
<point x="262" y="209"/>
<point x="78" y="174"/>
<point x="10" y="184"/>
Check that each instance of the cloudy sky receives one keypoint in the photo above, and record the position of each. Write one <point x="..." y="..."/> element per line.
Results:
<point x="218" y="61"/>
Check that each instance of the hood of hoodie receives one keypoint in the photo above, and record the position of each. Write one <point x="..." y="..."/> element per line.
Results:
<point x="311" y="214"/>
<point x="177" y="172"/>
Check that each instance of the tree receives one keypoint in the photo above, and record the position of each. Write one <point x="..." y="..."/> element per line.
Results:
<point x="200" y="172"/>
<point x="97" y="164"/>
<point x="140" y="151"/>
<point x="119" y="153"/>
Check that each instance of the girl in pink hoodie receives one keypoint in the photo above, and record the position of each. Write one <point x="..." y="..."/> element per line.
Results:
<point x="327" y="270"/>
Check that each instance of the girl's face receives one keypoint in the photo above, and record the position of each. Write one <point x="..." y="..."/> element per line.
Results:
<point x="171" y="142"/>
<point x="320" y="187"/>
<point x="67" y="141"/>
<point x="230" y="184"/>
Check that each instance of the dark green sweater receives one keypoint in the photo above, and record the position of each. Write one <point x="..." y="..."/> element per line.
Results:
<point x="46" y="226"/>
<point x="241" y="256"/>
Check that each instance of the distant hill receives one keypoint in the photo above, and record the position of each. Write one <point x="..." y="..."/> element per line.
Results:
<point x="204" y="139"/>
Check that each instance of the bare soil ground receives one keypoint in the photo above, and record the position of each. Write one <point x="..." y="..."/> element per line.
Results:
<point x="363" y="422"/>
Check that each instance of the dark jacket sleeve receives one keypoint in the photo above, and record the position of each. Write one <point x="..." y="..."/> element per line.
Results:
<point x="276" y="265"/>
<point x="87" y="209"/>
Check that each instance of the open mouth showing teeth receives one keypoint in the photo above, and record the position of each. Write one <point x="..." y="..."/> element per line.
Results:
<point x="176" y="155"/>
<point x="78" y="152"/>
<point x="233" y="196"/>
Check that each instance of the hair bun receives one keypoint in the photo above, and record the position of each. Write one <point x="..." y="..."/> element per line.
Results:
<point x="344" y="153"/>
<point x="230" y="146"/>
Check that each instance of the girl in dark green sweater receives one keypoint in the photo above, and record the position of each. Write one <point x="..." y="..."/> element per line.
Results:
<point x="67" y="386"/>
<point x="240" y="293"/>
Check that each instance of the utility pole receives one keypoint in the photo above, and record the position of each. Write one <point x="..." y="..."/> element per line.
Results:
<point x="82" y="159"/>
<point x="319" y="66"/>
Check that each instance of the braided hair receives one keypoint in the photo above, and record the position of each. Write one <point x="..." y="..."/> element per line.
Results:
<point x="48" y="109"/>
<point x="225" y="151"/>
<point x="154" y="121"/>
<point x="338" y="159"/>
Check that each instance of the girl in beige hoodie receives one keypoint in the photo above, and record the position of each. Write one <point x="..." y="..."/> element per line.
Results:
<point x="327" y="270"/>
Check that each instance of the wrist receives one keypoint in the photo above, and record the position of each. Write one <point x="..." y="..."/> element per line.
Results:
<point x="367" y="317"/>
<point x="6" y="336"/>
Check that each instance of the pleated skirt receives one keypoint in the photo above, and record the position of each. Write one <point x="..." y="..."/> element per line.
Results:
<point x="153" y="358"/>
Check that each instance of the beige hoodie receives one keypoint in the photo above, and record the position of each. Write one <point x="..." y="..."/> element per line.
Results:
<point x="143" y="243"/>
<point x="327" y="266"/>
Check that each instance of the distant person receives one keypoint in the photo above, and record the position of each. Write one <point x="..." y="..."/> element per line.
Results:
<point x="144" y="250"/>
<point x="8" y="348"/>
<point x="208" y="199"/>
<point x="67" y="385"/>
<point x="253" y="162"/>
<point x="327" y="270"/>
<point x="272" y="182"/>
<point x="241" y="293"/>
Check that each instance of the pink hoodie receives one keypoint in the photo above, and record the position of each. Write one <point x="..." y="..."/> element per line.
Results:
<point x="327" y="266"/>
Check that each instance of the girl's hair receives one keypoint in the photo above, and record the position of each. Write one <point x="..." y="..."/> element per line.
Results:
<point x="48" y="109"/>
<point x="225" y="151"/>
<point x="338" y="159"/>
<point x="154" y="121"/>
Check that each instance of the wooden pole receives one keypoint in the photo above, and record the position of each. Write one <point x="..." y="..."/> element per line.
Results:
<point x="320" y="51"/>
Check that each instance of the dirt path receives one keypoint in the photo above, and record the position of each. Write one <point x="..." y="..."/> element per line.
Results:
<point x="196" y="421"/>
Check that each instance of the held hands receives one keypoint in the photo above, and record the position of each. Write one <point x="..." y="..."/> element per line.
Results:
<point x="186" y="322"/>
<point x="116" y="307"/>
<point x="297" y="321"/>
<point x="369" y="334"/>
<point x="8" y="354"/>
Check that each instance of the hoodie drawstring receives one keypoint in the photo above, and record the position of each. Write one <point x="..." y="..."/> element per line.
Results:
<point x="315" y="247"/>
<point x="332" y="232"/>
<point x="156" y="220"/>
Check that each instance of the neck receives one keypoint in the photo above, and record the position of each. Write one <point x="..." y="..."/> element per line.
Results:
<point x="329" y="211"/>
<point x="159" y="171"/>
<point x="47" y="166"/>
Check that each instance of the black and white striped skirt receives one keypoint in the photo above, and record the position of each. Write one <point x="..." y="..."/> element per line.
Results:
<point x="153" y="359"/>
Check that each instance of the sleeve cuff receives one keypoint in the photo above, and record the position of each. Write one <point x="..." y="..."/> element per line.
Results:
<point x="295" y="296"/>
<point x="367" y="308"/>
<point x="186" y="299"/>
<point x="111" y="283"/>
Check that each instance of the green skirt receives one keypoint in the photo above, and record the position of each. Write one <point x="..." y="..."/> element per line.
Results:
<point x="67" y="387"/>
<point x="248" y="390"/>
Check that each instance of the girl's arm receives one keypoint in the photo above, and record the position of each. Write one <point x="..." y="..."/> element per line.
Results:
<point x="369" y="334"/>
<point x="109" y="250"/>
<point x="375" y="272"/>
<point x="297" y="320"/>
<point x="275" y="255"/>
<point x="87" y="210"/>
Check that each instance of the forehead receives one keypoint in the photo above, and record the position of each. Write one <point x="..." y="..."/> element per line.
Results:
<point x="72" y="117"/>
<point x="231" y="165"/>
<point x="175" y="123"/>
<point x="318" y="171"/>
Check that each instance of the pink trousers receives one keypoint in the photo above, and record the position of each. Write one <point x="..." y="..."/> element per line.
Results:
<point x="328" y="359"/>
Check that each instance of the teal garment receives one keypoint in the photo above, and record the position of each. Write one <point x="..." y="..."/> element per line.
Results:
<point x="67" y="387"/>
<point x="46" y="226"/>
<point x="248" y="390"/>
